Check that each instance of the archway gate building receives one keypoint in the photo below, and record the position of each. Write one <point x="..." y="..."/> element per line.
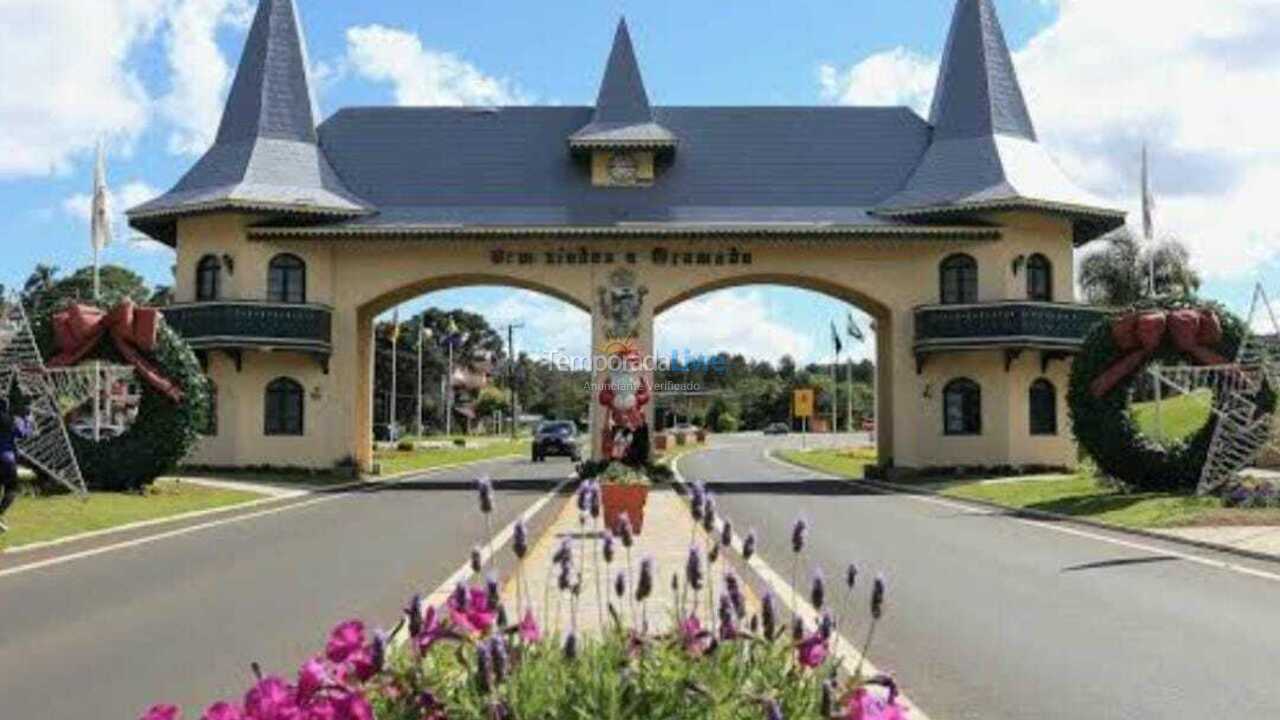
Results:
<point x="955" y="233"/>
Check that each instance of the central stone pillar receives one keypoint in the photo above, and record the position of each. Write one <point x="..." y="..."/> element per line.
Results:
<point x="622" y="389"/>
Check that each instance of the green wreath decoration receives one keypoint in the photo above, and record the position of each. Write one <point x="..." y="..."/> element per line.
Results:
<point x="1106" y="430"/>
<point x="164" y="431"/>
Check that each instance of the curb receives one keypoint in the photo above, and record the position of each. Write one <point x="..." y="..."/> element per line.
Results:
<point x="1042" y="515"/>
<point x="247" y="505"/>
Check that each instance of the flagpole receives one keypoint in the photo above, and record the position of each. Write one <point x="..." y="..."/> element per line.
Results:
<point x="395" y="347"/>
<point x="1148" y="230"/>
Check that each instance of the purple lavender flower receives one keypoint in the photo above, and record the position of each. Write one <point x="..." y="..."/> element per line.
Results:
<point x="733" y="590"/>
<point x="851" y="576"/>
<point x="769" y="615"/>
<point x="828" y="702"/>
<point x="571" y="647"/>
<point x="728" y="629"/>
<point x="798" y="533"/>
<point x="726" y="534"/>
<point x="797" y="629"/>
<point x="709" y="514"/>
<point x="607" y="545"/>
<point x="818" y="591"/>
<point x="696" y="497"/>
<point x="477" y="560"/>
<point x="827" y="626"/>
<point x="584" y="496"/>
<point x="625" y="531"/>
<point x="378" y="650"/>
<point x="593" y="505"/>
<point x="644" y="585"/>
<point x="877" y="597"/>
<point x="772" y="710"/>
<point x="498" y="650"/>
<point x="562" y="581"/>
<point x="693" y="568"/>
<point x="713" y="554"/>
<point x="484" y="669"/>
<point x="492" y="591"/>
<point x="620" y="584"/>
<point x="563" y="554"/>
<point x="414" y="613"/>
<point x="520" y="539"/>
<point x="461" y="597"/>
<point x="749" y="545"/>
<point x="484" y="489"/>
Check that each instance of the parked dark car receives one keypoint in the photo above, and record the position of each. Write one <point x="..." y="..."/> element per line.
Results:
<point x="778" y="428"/>
<point x="382" y="432"/>
<point x="558" y="437"/>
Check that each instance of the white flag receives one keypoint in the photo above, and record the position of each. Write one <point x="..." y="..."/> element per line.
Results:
<point x="100" y="222"/>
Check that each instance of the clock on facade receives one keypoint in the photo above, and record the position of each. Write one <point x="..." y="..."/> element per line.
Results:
<point x="624" y="169"/>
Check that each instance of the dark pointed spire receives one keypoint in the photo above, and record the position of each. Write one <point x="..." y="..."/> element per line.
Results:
<point x="984" y="155"/>
<point x="266" y="157"/>
<point x="623" y="116"/>
<point x="978" y="92"/>
<point x="271" y="96"/>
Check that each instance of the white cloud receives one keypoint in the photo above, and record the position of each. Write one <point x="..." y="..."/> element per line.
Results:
<point x="549" y="324"/>
<point x="66" y="80"/>
<point x="200" y="73"/>
<point x="420" y="75"/>
<point x="896" y="77"/>
<point x="733" y="321"/>
<point x="1196" y="80"/>
<point x="79" y="206"/>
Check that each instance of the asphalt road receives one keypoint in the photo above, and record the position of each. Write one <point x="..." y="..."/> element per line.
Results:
<point x="990" y="617"/>
<point x="180" y="620"/>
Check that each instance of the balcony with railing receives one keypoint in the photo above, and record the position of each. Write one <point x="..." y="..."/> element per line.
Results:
<point x="240" y="325"/>
<point x="1013" y="325"/>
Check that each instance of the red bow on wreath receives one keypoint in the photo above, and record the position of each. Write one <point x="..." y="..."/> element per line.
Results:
<point x="133" y="330"/>
<point x="1138" y="335"/>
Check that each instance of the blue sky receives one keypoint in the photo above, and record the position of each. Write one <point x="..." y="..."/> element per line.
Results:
<point x="150" y="75"/>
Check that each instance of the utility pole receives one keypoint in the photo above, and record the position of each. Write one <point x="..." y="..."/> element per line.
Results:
<point x="423" y="332"/>
<point x="511" y="373"/>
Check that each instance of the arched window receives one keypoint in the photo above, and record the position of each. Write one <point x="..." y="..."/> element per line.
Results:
<point x="1043" y="402"/>
<point x="283" y="407"/>
<point x="962" y="408"/>
<point x="959" y="280"/>
<point x="211" y="423"/>
<point x="287" y="279"/>
<point x="208" y="279"/>
<point x="1039" y="278"/>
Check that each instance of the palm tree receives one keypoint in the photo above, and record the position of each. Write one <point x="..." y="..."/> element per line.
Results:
<point x="1118" y="274"/>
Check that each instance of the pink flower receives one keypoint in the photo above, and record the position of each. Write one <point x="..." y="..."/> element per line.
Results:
<point x="864" y="705"/>
<point x="363" y="664"/>
<point x="692" y="636"/>
<point x="162" y="712"/>
<point x="312" y="677"/>
<point x="344" y="640"/>
<point x="812" y="651"/>
<point x="353" y="706"/>
<point x="530" y="633"/>
<point x="222" y="711"/>
<point x="272" y="699"/>
<point x="430" y="630"/>
<point x="475" y="616"/>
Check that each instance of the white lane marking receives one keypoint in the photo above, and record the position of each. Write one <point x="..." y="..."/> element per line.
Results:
<point x="92" y="552"/>
<point x="491" y="548"/>
<point x="1047" y="525"/>
<point x="850" y="656"/>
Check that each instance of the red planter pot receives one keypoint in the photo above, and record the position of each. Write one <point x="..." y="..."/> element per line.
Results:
<point x="629" y="499"/>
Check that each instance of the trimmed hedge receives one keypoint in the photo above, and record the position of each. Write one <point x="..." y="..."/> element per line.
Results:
<point x="1106" y="429"/>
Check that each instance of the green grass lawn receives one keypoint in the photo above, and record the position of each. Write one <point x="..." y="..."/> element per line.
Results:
<point x="398" y="461"/>
<point x="1180" y="417"/>
<point x="38" y="519"/>
<point x="1079" y="495"/>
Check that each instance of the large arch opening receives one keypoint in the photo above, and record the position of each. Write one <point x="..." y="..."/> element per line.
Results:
<point x="471" y="356"/>
<point x="738" y="348"/>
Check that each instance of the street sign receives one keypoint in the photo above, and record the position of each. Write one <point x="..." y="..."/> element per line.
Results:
<point x="802" y="403"/>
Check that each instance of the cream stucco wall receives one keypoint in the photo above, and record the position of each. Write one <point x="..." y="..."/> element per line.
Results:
<point x="361" y="278"/>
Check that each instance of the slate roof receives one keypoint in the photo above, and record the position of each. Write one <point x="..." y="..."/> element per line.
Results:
<point x="622" y="117"/>
<point x="265" y="156"/>
<point x="984" y="153"/>
<point x="781" y="169"/>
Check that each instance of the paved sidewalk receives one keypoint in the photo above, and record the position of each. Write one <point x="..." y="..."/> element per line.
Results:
<point x="668" y="533"/>
<point x="1255" y="539"/>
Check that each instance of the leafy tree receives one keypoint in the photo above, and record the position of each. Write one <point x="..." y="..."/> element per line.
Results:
<point x="44" y="289"/>
<point x="1119" y="273"/>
